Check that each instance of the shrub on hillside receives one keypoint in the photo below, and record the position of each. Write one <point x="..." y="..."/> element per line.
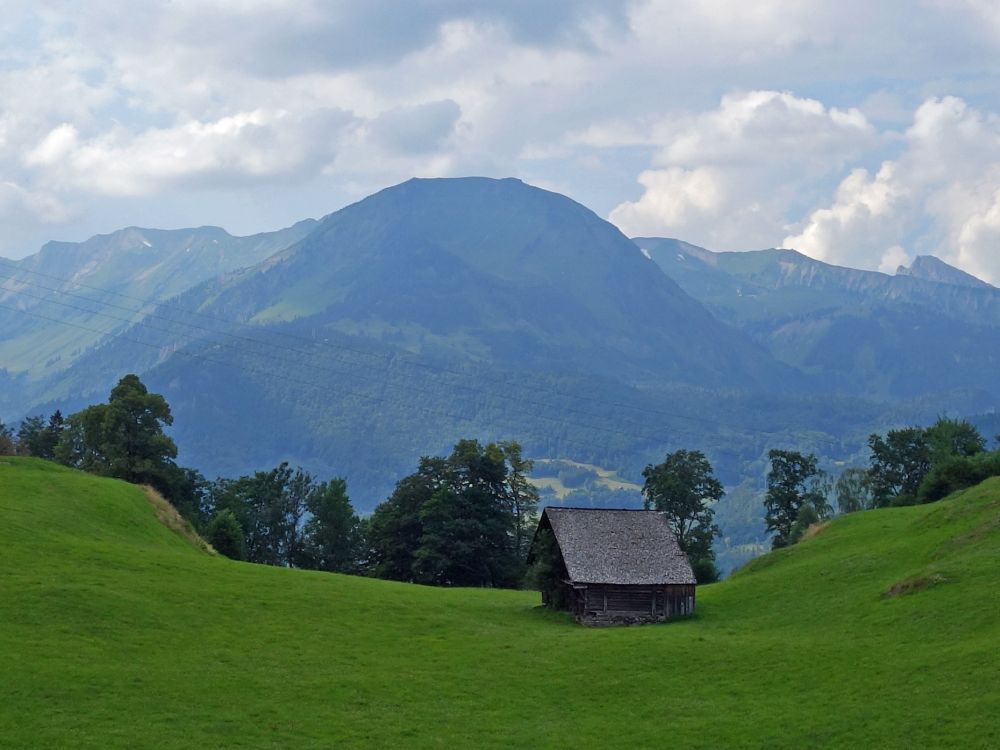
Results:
<point x="225" y="534"/>
<point x="958" y="473"/>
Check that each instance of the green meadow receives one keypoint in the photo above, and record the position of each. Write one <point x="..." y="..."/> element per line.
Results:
<point x="880" y="631"/>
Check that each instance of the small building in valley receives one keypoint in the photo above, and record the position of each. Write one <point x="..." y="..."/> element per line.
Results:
<point x="610" y="567"/>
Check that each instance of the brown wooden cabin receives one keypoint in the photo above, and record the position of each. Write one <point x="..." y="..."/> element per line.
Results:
<point x="614" y="566"/>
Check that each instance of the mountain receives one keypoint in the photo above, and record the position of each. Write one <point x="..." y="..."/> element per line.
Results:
<point x="880" y="631"/>
<point x="496" y="271"/>
<point x="934" y="269"/>
<point x="434" y="310"/>
<point x="69" y="294"/>
<point x="442" y="309"/>
<point x="928" y="331"/>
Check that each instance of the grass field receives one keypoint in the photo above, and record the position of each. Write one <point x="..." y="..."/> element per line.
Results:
<point x="881" y="631"/>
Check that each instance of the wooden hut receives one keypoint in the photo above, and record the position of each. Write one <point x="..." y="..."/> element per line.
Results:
<point x="611" y="567"/>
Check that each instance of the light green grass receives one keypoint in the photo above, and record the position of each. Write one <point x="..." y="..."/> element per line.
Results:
<point x="116" y="632"/>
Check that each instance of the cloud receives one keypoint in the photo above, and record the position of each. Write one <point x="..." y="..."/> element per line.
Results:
<point x="729" y="123"/>
<point x="416" y="129"/>
<point x="248" y="146"/>
<point x="863" y="225"/>
<point x="728" y="176"/>
<point x="939" y="196"/>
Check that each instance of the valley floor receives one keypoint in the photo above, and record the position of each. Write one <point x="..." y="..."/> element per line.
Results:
<point x="882" y="631"/>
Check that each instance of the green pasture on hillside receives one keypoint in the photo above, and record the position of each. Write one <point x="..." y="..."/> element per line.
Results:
<point x="115" y="632"/>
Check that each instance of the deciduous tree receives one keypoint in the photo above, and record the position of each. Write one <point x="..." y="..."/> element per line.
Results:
<point x="791" y="482"/>
<point x="683" y="487"/>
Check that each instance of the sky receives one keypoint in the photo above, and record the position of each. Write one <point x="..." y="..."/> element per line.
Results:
<point x="860" y="133"/>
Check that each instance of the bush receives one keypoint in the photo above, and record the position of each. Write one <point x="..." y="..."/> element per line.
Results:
<point x="705" y="570"/>
<point x="225" y="534"/>
<point x="958" y="473"/>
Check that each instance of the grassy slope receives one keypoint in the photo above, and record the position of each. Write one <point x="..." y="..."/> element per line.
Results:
<point x="118" y="633"/>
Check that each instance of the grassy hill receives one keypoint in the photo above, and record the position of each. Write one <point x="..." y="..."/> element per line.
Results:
<point x="881" y="631"/>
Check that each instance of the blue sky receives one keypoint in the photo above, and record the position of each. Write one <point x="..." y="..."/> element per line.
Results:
<point x="860" y="133"/>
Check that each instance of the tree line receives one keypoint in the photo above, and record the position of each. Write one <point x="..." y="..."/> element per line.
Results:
<point x="907" y="466"/>
<point x="462" y="519"/>
<point x="467" y="519"/>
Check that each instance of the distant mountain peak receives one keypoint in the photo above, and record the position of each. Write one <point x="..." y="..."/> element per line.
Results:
<point x="930" y="268"/>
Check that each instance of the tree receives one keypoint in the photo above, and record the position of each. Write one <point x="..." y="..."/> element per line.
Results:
<point x="899" y="462"/>
<point x="225" y="534"/>
<point x="123" y="438"/>
<point x="805" y="518"/>
<point x="333" y="532"/>
<point x="791" y="482"/>
<point x="270" y="507"/>
<point x="522" y="495"/>
<point x="547" y="571"/>
<point x="853" y="491"/>
<point x="395" y="528"/>
<point x="81" y="444"/>
<point x="453" y="522"/>
<point x="31" y="436"/>
<point x="7" y="445"/>
<point x="903" y="458"/>
<point x="134" y="445"/>
<point x="947" y="438"/>
<point x="683" y="488"/>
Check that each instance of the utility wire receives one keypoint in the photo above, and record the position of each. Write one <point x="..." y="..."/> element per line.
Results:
<point x="385" y="357"/>
<point x="389" y="360"/>
<point x="326" y="388"/>
<point x="408" y="388"/>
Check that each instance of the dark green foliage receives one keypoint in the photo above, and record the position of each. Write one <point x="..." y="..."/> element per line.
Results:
<point x="705" y="570"/>
<point x="288" y="518"/>
<point x="575" y="476"/>
<point x="684" y="488"/>
<point x="123" y="438"/>
<point x="455" y="521"/>
<point x="7" y="445"/>
<point x="333" y="534"/>
<point x="914" y="464"/>
<point x="36" y="437"/>
<point x="30" y="436"/>
<point x="395" y="527"/>
<point x="522" y="495"/>
<point x="805" y="518"/>
<point x="953" y="437"/>
<point x="957" y="473"/>
<point x="270" y="507"/>
<point x="547" y="570"/>
<point x="82" y="442"/>
<point x="134" y="445"/>
<point x="187" y="491"/>
<point x="898" y="464"/>
<point x="225" y="534"/>
<point x="791" y="483"/>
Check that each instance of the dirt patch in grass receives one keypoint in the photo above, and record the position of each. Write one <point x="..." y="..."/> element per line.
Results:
<point x="915" y="584"/>
<point x="814" y="530"/>
<point x="167" y="515"/>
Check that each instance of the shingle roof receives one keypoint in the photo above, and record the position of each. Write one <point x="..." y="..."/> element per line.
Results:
<point x="618" y="546"/>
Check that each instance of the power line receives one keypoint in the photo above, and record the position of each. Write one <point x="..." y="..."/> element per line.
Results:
<point x="326" y="388"/>
<point x="309" y="365"/>
<point x="387" y="358"/>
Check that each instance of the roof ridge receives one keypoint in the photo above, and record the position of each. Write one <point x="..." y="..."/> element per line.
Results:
<point x="615" y="510"/>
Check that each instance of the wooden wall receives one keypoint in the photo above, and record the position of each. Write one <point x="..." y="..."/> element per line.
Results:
<point x="610" y="605"/>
